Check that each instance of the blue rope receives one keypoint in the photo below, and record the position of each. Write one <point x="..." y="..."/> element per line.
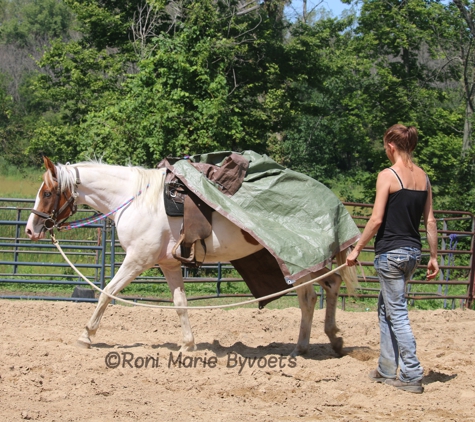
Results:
<point x="452" y="246"/>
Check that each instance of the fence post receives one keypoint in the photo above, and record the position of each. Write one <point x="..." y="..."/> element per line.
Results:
<point x="442" y="274"/>
<point x="218" y="283"/>
<point x="17" y="238"/>
<point x="112" y="253"/>
<point x="471" y="285"/>
<point x="112" y="256"/>
<point x="103" y="252"/>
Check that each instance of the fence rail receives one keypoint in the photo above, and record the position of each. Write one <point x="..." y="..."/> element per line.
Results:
<point x="97" y="253"/>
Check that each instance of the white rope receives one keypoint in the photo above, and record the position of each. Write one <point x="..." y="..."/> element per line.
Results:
<point x="55" y="242"/>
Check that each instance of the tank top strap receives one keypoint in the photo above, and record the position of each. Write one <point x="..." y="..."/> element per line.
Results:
<point x="398" y="178"/>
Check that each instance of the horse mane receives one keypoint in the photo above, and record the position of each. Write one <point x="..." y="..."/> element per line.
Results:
<point x="63" y="175"/>
<point x="144" y="180"/>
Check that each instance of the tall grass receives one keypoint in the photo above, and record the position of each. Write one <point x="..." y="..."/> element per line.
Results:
<point x="17" y="183"/>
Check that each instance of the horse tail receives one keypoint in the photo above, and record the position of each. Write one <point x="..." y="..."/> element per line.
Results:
<point x="348" y="273"/>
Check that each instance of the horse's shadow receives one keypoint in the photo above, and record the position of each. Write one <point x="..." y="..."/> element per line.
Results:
<point x="116" y="346"/>
<point x="315" y="351"/>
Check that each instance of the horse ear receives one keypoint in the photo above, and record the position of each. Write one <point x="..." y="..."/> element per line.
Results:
<point x="49" y="166"/>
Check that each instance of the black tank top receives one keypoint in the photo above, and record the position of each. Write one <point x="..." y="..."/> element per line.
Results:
<point x="402" y="216"/>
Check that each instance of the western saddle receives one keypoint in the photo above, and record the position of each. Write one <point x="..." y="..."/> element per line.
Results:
<point x="180" y="201"/>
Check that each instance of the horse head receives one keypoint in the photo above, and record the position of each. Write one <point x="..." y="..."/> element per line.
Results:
<point x="55" y="202"/>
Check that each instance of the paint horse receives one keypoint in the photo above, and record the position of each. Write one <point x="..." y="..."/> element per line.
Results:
<point x="148" y="237"/>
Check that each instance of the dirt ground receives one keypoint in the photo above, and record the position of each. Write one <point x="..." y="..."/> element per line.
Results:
<point x="241" y="370"/>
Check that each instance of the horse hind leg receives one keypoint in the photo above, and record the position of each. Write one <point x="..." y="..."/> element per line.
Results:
<point x="331" y="285"/>
<point x="307" y="299"/>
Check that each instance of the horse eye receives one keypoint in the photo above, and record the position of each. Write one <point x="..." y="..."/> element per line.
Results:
<point x="47" y="194"/>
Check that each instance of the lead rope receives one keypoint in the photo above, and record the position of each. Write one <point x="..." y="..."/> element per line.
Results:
<point x="56" y="243"/>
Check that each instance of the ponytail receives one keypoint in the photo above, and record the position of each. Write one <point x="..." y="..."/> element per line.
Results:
<point x="402" y="137"/>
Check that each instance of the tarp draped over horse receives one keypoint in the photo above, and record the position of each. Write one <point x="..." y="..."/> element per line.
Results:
<point x="299" y="221"/>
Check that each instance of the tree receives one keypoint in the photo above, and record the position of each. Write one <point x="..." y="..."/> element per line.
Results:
<point x="212" y="80"/>
<point x="26" y="29"/>
<point x="331" y="83"/>
<point x="466" y="36"/>
<point x="416" y="82"/>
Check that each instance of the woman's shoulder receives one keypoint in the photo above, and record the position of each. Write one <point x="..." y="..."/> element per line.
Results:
<point x="388" y="171"/>
<point x="388" y="180"/>
<point x="420" y="172"/>
<point x="413" y="177"/>
<point x="386" y="174"/>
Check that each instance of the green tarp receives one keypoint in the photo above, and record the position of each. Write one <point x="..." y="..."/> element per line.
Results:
<point x="296" y="218"/>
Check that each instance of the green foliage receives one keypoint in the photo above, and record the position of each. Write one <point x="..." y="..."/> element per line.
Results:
<point x="6" y="101"/>
<point x="177" y="104"/>
<point x="140" y="80"/>
<point x="26" y="22"/>
<point x="105" y="24"/>
<point x="202" y="89"/>
<point x="12" y="127"/>
<point x="329" y="134"/>
<point x="80" y="82"/>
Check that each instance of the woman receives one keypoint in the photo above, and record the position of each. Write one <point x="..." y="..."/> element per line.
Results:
<point x="403" y="196"/>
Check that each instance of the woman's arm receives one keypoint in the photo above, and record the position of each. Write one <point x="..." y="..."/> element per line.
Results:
<point x="431" y="227"/>
<point x="383" y="185"/>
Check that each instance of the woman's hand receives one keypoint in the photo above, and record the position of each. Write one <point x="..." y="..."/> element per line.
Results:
<point x="351" y="259"/>
<point x="432" y="268"/>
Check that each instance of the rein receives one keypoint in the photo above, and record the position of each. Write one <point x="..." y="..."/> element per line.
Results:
<point x="51" y="220"/>
<point x="97" y="217"/>
<point x="56" y="243"/>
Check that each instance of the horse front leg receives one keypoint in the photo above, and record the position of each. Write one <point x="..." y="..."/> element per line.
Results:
<point x="128" y="271"/>
<point x="331" y="285"/>
<point x="307" y="299"/>
<point x="175" y="282"/>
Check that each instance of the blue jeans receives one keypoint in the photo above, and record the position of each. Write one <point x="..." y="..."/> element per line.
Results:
<point x="398" y="345"/>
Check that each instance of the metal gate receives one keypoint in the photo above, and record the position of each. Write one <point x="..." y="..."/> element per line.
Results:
<point x="23" y="262"/>
<point x="94" y="250"/>
<point x="455" y="283"/>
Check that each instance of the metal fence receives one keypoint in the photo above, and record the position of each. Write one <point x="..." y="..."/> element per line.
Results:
<point x="96" y="252"/>
<point x="455" y="283"/>
<point x="26" y="266"/>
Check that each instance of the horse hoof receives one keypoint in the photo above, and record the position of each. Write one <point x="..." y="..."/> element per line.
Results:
<point x="298" y="352"/>
<point x="188" y="348"/>
<point x="83" y="344"/>
<point x="337" y="346"/>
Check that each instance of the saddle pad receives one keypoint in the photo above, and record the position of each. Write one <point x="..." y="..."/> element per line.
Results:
<point x="262" y="274"/>
<point x="174" y="207"/>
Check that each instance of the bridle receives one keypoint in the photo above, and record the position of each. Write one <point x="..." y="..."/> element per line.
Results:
<point x="51" y="220"/>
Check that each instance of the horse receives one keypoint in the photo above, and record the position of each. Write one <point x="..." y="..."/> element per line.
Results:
<point x="148" y="237"/>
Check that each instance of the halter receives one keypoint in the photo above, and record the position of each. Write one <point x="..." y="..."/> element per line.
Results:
<point x="51" y="220"/>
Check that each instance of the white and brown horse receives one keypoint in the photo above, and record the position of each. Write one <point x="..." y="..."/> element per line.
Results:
<point x="148" y="236"/>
